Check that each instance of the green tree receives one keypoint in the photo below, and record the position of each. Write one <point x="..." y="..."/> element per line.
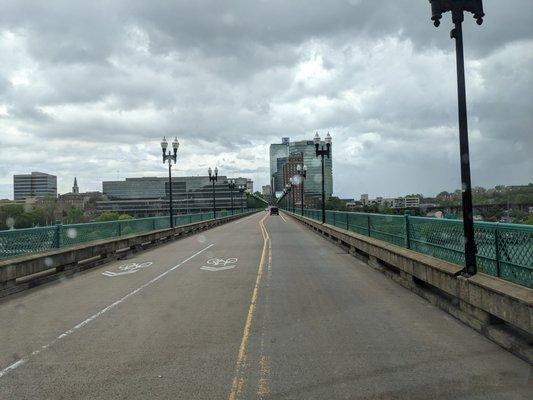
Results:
<point x="334" y="203"/>
<point x="74" y="215"/>
<point x="124" y="216"/>
<point x="107" y="216"/>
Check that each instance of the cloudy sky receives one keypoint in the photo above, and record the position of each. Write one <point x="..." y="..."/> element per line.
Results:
<point x="88" y="89"/>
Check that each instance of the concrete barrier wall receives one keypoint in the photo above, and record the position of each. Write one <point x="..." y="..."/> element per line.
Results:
<point x="20" y="273"/>
<point x="499" y="309"/>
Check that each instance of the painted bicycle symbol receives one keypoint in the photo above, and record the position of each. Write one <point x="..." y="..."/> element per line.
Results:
<point x="220" y="264"/>
<point x="130" y="268"/>
<point x="221" y="261"/>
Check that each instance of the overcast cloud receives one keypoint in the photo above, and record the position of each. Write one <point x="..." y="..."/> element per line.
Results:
<point x="88" y="89"/>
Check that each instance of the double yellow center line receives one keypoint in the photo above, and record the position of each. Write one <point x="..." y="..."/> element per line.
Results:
<point x="237" y="385"/>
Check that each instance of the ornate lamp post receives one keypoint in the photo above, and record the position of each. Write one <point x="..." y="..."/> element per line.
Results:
<point x="323" y="152"/>
<point x="213" y="177"/>
<point x="288" y="188"/>
<point x="302" y="173"/>
<point x="231" y="186"/>
<point x="457" y="8"/>
<point x="241" y="191"/>
<point x="170" y="157"/>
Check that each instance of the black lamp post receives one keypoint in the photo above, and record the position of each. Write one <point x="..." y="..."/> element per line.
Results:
<point x="231" y="186"/>
<point x="213" y="177"/>
<point x="170" y="157"/>
<point x="293" y="186"/>
<point x="457" y="8"/>
<point x="288" y="188"/>
<point x="241" y="191"/>
<point x="302" y="173"/>
<point x="323" y="152"/>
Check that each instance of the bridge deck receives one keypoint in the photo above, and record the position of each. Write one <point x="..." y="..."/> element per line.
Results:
<point x="293" y="317"/>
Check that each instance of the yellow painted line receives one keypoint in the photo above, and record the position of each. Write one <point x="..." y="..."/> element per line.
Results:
<point x="238" y="382"/>
<point x="283" y="218"/>
<point x="263" y="387"/>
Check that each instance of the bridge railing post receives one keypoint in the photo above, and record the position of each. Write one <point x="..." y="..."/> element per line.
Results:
<point x="407" y="232"/>
<point x="347" y="221"/>
<point x="57" y="238"/>
<point x="368" y="224"/>
<point x="497" y="248"/>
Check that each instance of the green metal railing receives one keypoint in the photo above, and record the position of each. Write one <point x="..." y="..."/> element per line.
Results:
<point x="17" y="242"/>
<point x="503" y="250"/>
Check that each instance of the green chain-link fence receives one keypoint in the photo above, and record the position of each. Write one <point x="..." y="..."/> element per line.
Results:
<point x="503" y="250"/>
<point x="16" y="242"/>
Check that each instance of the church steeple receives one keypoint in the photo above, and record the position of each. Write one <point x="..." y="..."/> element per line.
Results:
<point x="75" y="188"/>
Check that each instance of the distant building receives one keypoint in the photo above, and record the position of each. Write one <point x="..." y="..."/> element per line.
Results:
<point x="313" y="182"/>
<point x="75" y="188"/>
<point x="279" y="153"/>
<point x="36" y="184"/>
<point x="398" y="202"/>
<point x="290" y="171"/>
<point x="277" y="150"/>
<point x="149" y="196"/>
<point x="266" y="190"/>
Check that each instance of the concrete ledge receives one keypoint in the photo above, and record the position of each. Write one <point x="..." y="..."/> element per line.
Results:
<point x="17" y="274"/>
<point x="501" y="310"/>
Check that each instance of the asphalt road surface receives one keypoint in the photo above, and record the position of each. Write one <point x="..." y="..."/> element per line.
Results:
<point x="260" y="308"/>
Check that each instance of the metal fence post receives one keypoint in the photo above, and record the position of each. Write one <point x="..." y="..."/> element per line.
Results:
<point x="368" y="224"/>
<point x="119" y="228"/>
<point x="57" y="239"/>
<point x="497" y="248"/>
<point x="347" y="221"/>
<point x="334" y="219"/>
<point x="153" y="224"/>
<point x="407" y="234"/>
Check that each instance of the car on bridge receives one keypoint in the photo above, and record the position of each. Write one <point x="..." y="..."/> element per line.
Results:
<point x="274" y="210"/>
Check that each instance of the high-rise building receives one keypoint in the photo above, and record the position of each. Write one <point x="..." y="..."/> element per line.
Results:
<point x="266" y="190"/>
<point x="277" y="150"/>
<point x="313" y="183"/>
<point x="290" y="170"/>
<point x="36" y="184"/>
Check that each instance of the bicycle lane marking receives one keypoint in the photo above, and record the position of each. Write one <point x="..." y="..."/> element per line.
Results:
<point x="23" y="360"/>
<point x="127" y="269"/>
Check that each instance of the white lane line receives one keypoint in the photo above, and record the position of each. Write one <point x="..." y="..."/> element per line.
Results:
<point x="98" y="314"/>
<point x="245" y="219"/>
<point x="283" y="218"/>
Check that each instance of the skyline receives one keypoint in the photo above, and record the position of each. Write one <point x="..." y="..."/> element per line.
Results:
<point x="230" y="79"/>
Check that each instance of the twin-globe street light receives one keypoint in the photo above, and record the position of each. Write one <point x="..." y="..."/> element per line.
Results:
<point x="242" y="189"/>
<point x="322" y="152"/>
<point x="213" y="177"/>
<point x="302" y="173"/>
<point x="457" y="8"/>
<point x="231" y="185"/>
<point x="170" y="157"/>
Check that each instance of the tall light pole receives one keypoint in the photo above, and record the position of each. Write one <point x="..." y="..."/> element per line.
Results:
<point x="231" y="185"/>
<point x="170" y="157"/>
<point x="241" y="191"/>
<point x="288" y="188"/>
<point x="322" y="152"/>
<point x="302" y="173"/>
<point x="293" y="186"/>
<point x="213" y="177"/>
<point x="457" y="8"/>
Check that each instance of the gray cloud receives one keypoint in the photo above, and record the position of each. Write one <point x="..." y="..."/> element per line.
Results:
<point x="89" y="89"/>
